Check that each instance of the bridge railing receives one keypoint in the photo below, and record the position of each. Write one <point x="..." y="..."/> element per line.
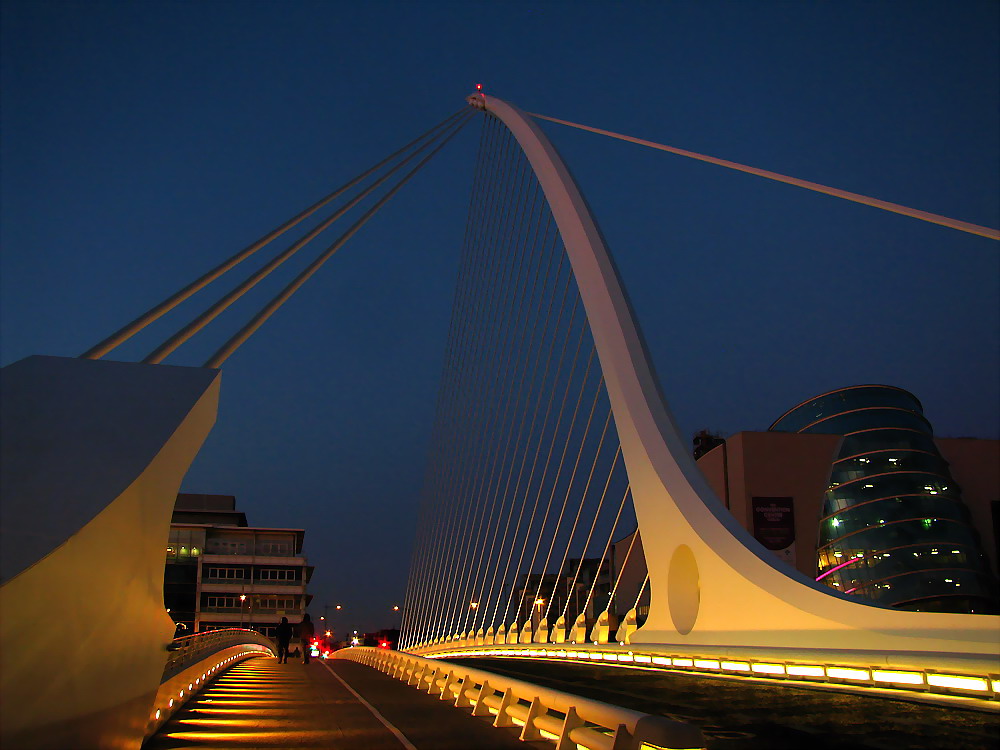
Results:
<point x="194" y="660"/>
<point x="542" y="713"/>
<point x="189" y="649"/>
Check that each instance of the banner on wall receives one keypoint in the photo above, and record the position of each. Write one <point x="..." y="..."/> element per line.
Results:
<point x="774" y="525"/>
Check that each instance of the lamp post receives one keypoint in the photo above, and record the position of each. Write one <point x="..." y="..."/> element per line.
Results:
<point x="243" y="598"/>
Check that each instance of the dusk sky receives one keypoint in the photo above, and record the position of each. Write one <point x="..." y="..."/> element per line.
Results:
<point x="143" y="143"/>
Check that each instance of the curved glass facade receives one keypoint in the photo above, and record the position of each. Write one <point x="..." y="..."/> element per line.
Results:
<point x="894" y="530"/>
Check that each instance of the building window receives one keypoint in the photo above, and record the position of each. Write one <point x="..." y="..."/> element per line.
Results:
<point x="276" y="603"/>
<point x="226" y="573"/>
<point x="222" y="602"/>
<point x="273" y="574"/>
<point x="225" y="547"/>
<point x="274" y="549"/>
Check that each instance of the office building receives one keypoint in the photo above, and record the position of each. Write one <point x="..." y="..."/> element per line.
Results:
<point x="223" y="573"/>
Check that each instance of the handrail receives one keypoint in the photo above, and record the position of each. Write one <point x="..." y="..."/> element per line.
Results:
<point x="541" y="712"/>
<point x="192" y="648"/>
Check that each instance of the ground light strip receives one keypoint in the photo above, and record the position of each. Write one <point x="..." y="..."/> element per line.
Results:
<point x="924" y="682"/>
<point x="161" y="714"/>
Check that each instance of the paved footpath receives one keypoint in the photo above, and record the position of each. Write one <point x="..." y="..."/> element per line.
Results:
<point x="333" y="704"/>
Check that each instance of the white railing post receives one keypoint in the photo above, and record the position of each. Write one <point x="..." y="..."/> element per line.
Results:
<point x="571" y="722"/>
<point x="529" y="731"/>
<point x="503" y="717"/>
<point x="462" y="699"/>
<point x="485" y="691"/>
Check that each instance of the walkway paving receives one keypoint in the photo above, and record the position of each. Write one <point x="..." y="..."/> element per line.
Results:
<point x="262" y="704"/>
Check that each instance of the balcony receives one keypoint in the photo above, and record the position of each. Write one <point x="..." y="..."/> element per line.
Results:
<point x="233" y="613"/>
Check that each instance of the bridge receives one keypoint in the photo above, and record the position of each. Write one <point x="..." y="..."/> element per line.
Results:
<point x="553" y="443"/>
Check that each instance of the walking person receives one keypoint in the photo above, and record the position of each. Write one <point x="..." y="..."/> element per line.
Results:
<point x="306" y="632"/>
<point x="284" y="637"/>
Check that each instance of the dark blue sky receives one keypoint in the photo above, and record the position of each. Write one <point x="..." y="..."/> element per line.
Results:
<point x="144" y="142"/>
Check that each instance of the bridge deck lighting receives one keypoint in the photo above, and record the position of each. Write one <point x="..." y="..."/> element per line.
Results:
<point x="957" y="681"/>
<point x="801" y="670"/>
<point x="906" y="678"/>
<point x="768" y="668"/>
<point x="736" y="666"/>
<point x="846" y="673"/>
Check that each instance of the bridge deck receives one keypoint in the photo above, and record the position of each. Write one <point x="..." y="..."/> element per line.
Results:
<point x="262" y="704"/>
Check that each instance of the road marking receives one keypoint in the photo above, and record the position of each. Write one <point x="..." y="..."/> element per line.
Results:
<point x="398" y="735"/>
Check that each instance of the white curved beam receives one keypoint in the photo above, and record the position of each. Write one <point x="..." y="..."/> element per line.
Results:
<point x="711" y="582"/>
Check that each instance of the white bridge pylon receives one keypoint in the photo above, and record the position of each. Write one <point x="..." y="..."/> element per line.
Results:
<point x="713" y="587"/>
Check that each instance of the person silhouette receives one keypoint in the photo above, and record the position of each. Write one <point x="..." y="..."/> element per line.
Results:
<point x="306" y="632"/>
<point x="284" y="636"/>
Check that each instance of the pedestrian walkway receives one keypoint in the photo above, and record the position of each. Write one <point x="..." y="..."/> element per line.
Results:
<point x="332" y="704"/>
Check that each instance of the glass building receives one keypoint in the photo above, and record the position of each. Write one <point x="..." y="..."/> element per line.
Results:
<point x="893" y="529"/>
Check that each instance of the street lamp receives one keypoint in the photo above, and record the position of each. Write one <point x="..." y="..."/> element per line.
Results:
<point x="243" y="598"/>
<point x="539" y="603"/>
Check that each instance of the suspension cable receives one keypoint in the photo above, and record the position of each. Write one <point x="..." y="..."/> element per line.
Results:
<point x="579" y="510"/>
<point x="423" y="520"/>
<point x="213" y="311"/>
<point x="126" y="332"/>
<point x="258" y="320"/>
<point x="913" y="213"/>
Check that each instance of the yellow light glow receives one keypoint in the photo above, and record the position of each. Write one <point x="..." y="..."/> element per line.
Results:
<point x="643" y="659"/>
<point x="845" y="673"/>
<point x="995" y="684"/>
<point x="170" y="703"/>
<point x="679" y="662"/>
<point x="157" y="714"/>
<point x="956" y="681"/>
<point x="800" y="670"/>
<point x="705" y="663"/>
<point x="906" y="678"/>
<point x="610" y="657"/>
<point x="625" y="657"/>
<point x="220" y="722"/>
<point x="768" y="668"/>
<point x="736" y="666"/>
